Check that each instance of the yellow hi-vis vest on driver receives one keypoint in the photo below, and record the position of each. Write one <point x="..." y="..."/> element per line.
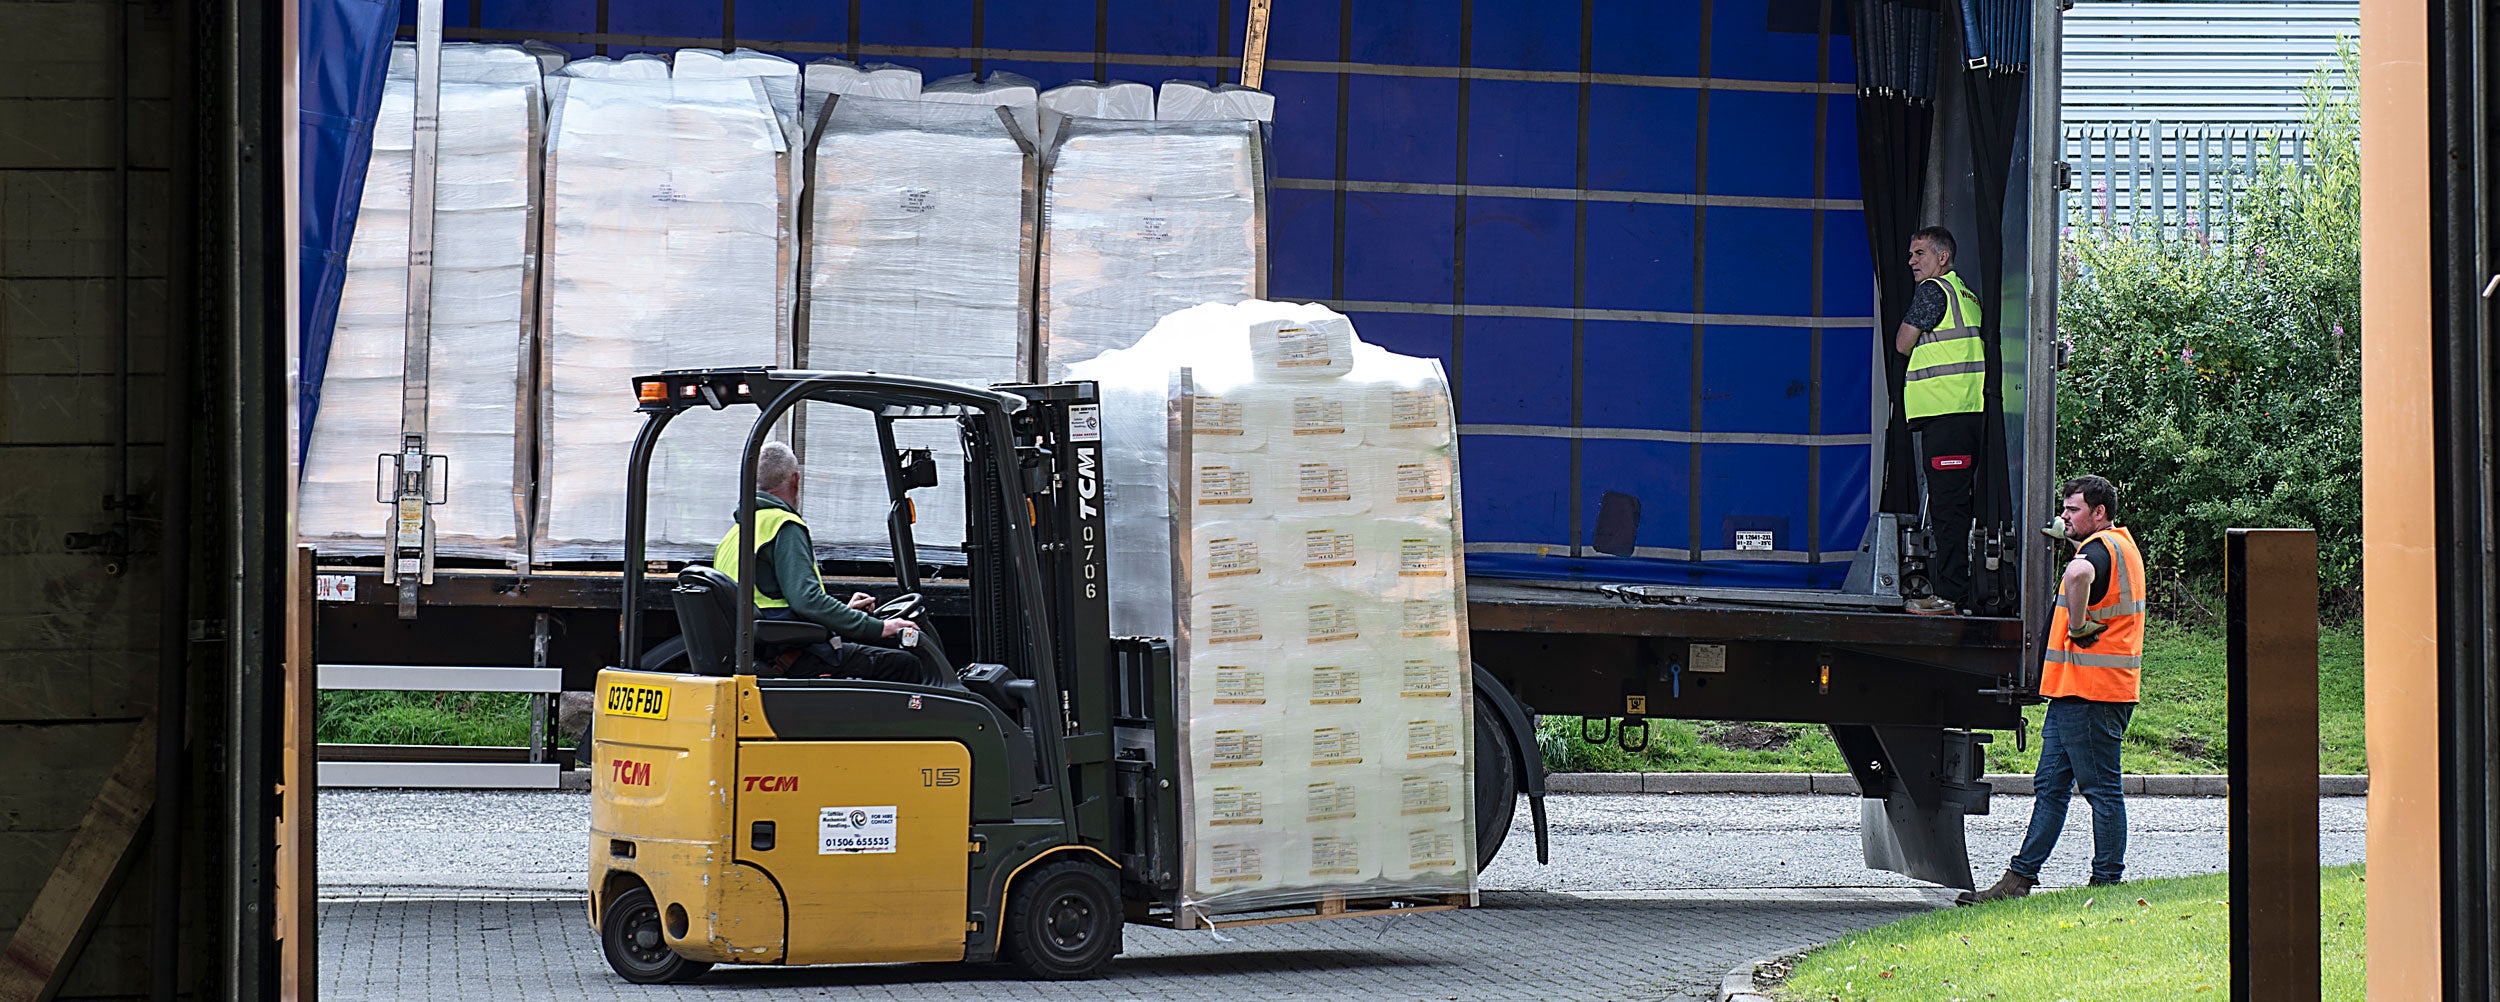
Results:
<point x="1948" y="366"/>
<point x="768" y="523"/>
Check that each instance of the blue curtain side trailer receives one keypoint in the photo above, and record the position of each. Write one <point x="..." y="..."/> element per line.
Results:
<point x="1658" y="247"/>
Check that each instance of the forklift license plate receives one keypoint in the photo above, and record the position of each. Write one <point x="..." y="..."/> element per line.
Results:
<point x="638" y="701"/>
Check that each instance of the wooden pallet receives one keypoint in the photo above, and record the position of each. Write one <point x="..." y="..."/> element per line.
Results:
<point x="1331" y="907"/>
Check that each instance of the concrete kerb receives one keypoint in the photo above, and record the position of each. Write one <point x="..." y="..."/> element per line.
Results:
<point x="1739" y="986"/>
<point x="1842" y="784"/>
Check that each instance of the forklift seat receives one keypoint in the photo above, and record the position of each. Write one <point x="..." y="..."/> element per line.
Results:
<point x="707" y="616"/>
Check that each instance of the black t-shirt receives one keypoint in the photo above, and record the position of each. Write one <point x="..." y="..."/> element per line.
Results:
<point x="1927" y="305"/>
<point x="2098" y="553"/>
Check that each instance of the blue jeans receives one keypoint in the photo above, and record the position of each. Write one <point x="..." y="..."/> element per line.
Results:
<point x="2079" y="754"/>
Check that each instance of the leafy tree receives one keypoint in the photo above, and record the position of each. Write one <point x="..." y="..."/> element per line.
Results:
<point x="2216" y="378"/>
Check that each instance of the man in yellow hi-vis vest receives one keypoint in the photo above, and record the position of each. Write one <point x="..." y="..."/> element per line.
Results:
<point x="1944" y="397"/>
<point x="787" y="586"/>
<point x="2090" y="669"/>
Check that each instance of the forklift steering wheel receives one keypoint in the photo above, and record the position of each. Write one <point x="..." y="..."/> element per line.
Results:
<point x="907" y="605"/>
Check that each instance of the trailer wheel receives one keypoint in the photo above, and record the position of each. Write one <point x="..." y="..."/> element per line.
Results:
<point x="629" y="933"/>
<point x="1064" y="921"/>
<point x="1497" y="783"/>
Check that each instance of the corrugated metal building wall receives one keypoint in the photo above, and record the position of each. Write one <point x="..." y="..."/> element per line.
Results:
<point x="2170" y="106"/>
<point x="2198" y="63"/>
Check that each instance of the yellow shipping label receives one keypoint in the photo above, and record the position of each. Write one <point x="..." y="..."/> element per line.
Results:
<point x="1335" y="685"/>
<point x="1336" y="746"/>
<point x="1239" y="749"/>
<point x="1421" y="483"/>
<point x="1324" y="548"/>
<point x="1427" y="617"/>
<point x="1431" y="850"/>
<point x="1414" y="409"/>
<point x="1318" y="416"/>
<point x="1235" y="863"/>
<point x="1424" y="556"/>
<point x="1240" y="685"/>
<point x="1214" y="415"/>
<point x="638" y="701"/>
<point x="1237" y="805"/>
<point x="1427" y="678"/>
<point x="1423" y="794"/>
<point x="1329" y="622"/>
<point x="1324" y="482"/>
<point x="1336" y="856"/>
<point x="1224" y="484"/>
<point x="1329" y="800"/>
<point x="1232" y="557"/>
<point x="1232" y="623"/>
<point x="1431" y="739"/>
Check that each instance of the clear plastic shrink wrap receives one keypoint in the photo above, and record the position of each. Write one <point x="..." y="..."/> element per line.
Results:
<point x="1141" y="219"/>
<point x="828" y="77"/>
<point x="638" y="66"/>
<point x="1117" y="100"/>
<point x="665" y="248"/>
<point x="486" y="158"/>
<point x="919" y="244"/>
<point x="1191" y="101"/>
<point x="1013" y="91"/>
<point x="1318" y="620"/>
<point x="780" y="77"/>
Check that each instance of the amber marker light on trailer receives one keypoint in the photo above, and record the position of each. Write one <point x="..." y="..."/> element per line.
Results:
<point x="651" y="393"/>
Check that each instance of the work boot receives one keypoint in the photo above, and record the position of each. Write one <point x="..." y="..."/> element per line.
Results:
<point x="1930" y="606"/>
<point x="2105" y="882"/>
<point x="2011" y="885"/>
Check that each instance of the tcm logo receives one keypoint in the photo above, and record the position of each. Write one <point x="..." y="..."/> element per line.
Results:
<point x="772" y="784"/>
<point x="1088" y="482"/>
<point x="627" y="772"/>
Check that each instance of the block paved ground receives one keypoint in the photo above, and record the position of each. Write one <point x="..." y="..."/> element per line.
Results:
<point x="460" y="895"/>
<point x="1519" y="945"/>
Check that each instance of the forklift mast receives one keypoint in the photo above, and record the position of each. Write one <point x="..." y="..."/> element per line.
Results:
<point x="1058" y="455"/>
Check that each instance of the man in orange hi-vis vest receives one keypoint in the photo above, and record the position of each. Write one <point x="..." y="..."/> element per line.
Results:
<point x="2089" y="671"/>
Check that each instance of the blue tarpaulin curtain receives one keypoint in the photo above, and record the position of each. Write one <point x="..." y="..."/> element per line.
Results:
<point x="345" y="51"/>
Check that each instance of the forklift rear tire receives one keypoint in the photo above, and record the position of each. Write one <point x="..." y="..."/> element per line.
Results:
<point x="629" y="933"/>
<point x="1064" y="921"/>
<point x="1497" y="783"/>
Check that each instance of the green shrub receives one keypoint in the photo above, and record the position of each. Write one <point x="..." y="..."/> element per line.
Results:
<point x="2217" y="381"/>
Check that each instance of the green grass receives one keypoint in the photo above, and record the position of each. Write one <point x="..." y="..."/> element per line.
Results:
<point x="2078" y="943"/>
<point x="424" y="718"/>
<point x="2181" y="727"/>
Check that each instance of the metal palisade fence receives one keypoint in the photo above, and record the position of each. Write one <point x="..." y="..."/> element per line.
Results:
<point x="2183" y="179"/>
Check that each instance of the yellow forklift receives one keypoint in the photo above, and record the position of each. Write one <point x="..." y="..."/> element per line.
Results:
<point x="1014" y="805"/>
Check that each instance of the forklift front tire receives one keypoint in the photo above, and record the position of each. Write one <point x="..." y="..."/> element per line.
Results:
<point x="1064" y="921"/>
<point x="629" y="933"/>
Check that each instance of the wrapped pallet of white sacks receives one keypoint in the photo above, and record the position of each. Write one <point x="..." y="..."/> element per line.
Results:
<point x="638" y="66"/>
<point x="917" y="257"/>
<point x="836" y="77"/>
<point x="482" y="330"/>
<point x="1140" y="219"/>
<point x="780" y="77"/>
<point x="665" y="247"/>
<point x="1300" y="550"/>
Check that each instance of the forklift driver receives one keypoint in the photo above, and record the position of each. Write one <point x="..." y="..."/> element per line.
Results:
<point x="786" y="586"/>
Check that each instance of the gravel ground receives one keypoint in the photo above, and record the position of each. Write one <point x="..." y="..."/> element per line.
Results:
<point x="412" y="842"/>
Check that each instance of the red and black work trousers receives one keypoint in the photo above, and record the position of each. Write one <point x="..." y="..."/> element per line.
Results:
<point x="1949" y="446"/>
